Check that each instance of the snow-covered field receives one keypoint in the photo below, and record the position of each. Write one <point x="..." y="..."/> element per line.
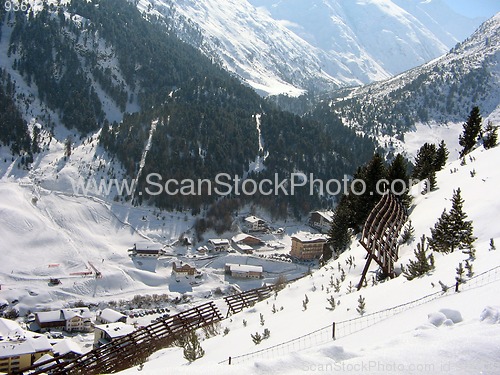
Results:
<point x="457" y="333"/>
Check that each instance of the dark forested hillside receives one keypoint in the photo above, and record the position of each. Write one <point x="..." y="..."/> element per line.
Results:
<point x="83" y="55"/>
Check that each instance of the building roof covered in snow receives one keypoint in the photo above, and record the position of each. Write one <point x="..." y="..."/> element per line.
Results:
<point x="115" y="330"/>
<point x="111" y="316"/>
<point x="67" y="346"/>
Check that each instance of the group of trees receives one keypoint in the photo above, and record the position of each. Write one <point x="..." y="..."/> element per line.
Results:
<point x="13" y="129"/>
<point x="451" y="232"/>
<point x="452" y="229"/>
<point x="353" y="208"/>
<point x="429" y="160"/>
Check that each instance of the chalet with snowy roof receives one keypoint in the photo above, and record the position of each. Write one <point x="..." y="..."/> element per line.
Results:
<point x="19" y="349"/>
<point x="183" y="269"/>
<point x="146" y="250"/>
<point x="243" y="271"/>
<point x="321" y="220"/>
<point x="255" y="224"/>
<point x="110" y="316"/>
<point x="246" y="243"/>
<point x="71" y="320"/>
<point x="218" y="244"/>
<point x="307" y="246"/>
<point x="107" y="333"/>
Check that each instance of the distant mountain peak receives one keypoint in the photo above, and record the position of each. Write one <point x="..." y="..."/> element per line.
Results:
<point x="291" y="46"/>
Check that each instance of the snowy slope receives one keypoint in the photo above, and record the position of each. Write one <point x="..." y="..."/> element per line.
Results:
<point x="416" y="340"/>
<point x="313" y="45"/>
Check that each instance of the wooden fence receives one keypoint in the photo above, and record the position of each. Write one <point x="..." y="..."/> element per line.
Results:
<point x="136" y="347"/>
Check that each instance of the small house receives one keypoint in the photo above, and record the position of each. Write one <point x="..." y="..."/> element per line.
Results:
<point x="246" y="243"/>
<point x="243" y="271"/>
<point x="218" y="244"/>
<point x="321" y="220"/>
<point x="183" y="270"/>
<point x="110" y="316"/>
<point x="146" y="250"/>
<point x="107" y="333"/>
<point x="255" y="224"/>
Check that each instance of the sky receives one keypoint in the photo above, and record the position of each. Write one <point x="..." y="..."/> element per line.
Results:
<point x="475" y="8"/>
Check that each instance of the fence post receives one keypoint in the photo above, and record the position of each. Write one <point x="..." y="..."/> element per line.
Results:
<point x="333" y="330"/>
<point x="229" y="361"/>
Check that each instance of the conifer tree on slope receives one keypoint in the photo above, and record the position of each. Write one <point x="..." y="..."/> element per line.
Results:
<point x="423" y="263"/>
<point x="441" y="156"/>
<point x="471" y="132"/>
<point x="338" y="236"/>
<point x="361" y="205"/>
<point x="490" y="136"/>
<point x="452" y="230"/>
<point x="398" y="170"/>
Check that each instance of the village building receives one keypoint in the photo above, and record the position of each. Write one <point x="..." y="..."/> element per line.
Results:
<point x="255" y="224"/>
<point x="183" y="269"/>
<point x="110" y="316"/>
<point x="70" y="320"/>
<point x="202" y="250"/>
<point x="321" y="220"/>
<point x="243" y="271"/>
<point x="218" y="244"/>
<point x="107" y="333"/>
<point x="67" y="349"/>
<point x="146" y="250"/>
<point x="307" y="246"/>
<point x="246" y="243"/>
<point x="19" y="349"/>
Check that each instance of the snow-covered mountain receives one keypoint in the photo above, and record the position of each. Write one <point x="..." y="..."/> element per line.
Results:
<point x="290" y="46"/>
<point x="441" y="91"/>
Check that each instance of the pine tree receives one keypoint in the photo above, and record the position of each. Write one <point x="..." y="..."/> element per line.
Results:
<point x="471" y="131"/>
<point x="459" y="226"/>
<point x="67" y="146"/>
<point x="490" y="137"/>
<point x="492" y="245"/>
<point x="336" y="287"/>
<point x="468" y="267"/>
<point x="266" y="334"/>
<point x="331" y="302"/>
<point x="398" y="177"/>
<point x="441" y="156"/>
<point x="424" y="161"/>
<point x="257" y="338"/>
<point x="305" y="302"/>
<point x="440" y="235"/>
<point x="460" y="274"/>
<point x="339" y="236"/>
<point x="452" y="231"/>
<point x="361" y="305"/>
<point x="192" y="347"/>
<point x="262" y="321"/>
<point x="408" y="233"/>
<point x="423" y="263"/>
